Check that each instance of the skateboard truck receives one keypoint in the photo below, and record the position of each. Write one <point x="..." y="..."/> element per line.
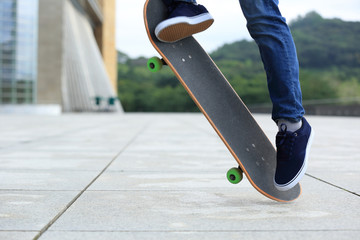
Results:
<point x="155" y="64"/>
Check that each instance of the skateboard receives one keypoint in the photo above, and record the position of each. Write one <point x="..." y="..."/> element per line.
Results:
<point x="254" y="153"/>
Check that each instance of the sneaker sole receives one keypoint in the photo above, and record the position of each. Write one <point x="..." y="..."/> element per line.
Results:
<point x="301" y="173"/>
<point x="178" y="28"/>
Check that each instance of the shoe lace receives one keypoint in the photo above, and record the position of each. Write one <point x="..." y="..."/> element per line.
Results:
<point x="285" y="142"/>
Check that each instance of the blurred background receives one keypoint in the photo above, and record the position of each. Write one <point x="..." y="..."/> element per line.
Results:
<point x="60" y="56"/>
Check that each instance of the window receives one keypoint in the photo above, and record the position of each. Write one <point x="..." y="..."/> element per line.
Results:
<point x="18" y="51"/>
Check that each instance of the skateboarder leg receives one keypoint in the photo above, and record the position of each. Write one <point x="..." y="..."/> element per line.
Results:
<point x="277" y="49"/>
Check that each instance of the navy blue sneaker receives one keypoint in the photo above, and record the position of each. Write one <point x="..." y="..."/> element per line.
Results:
<point x="185" y="19"/>
<point x="292" y="153"/>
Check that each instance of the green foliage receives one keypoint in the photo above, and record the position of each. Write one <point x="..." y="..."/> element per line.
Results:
<point x="143" y="91"/>
<point x="239" y="51"/>
<point x="328" y="53"/>
<point x="318" y="84"/>
<point x="324" y="43"/>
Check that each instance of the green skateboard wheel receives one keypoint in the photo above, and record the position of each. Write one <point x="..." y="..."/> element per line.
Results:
<point x="234" y="175"/>
<point x="154" y="64"/>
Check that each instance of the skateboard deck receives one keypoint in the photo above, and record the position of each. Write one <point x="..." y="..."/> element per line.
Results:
<point x="221" y="105"/>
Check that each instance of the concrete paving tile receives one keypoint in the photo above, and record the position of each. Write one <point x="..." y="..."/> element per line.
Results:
<point x="167" y="147"/>
<point x="168" y="183"/>
<point x="173" y="161"/>
<point x="73" y="163"/>
<point x="29" y="155"/>
<point x="36" y="128"/>
<point x="67" y="130"/>
<point x="71" y="145"/>
<point x="16" y="235"/>
<point x="349" y="180"/>
<point x="155" y="181"/>
<point x="241" y="209"/>
<point x="333" y="160"/>
<point x="45" y="180"/>
<point x="193" y="235"/>
<point x="30" y="210"/>
<point x="335" y="153"/>
<point x="77" y="149"/>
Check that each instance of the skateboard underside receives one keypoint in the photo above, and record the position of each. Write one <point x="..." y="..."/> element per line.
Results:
<point x="221" y="105"/>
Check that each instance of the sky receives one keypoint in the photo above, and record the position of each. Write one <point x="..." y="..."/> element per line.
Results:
<point x="229" y="25"/>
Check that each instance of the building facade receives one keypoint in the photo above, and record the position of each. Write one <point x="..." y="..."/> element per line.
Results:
<point x="18" y="51"/>
<point x="61" y="52"/>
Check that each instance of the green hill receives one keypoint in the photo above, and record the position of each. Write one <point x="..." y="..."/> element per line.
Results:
<point x="329" y="58"/>
<point x="324" y="43"/>
<point x="320" y="43"/>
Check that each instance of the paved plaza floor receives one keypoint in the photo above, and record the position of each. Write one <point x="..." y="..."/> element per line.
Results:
<point x="162" y="176"/>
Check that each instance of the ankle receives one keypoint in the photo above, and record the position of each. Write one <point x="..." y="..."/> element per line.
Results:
<point x="290" y="126"/>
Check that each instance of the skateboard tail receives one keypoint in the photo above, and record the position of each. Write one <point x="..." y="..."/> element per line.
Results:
<point x="205" y="113"/>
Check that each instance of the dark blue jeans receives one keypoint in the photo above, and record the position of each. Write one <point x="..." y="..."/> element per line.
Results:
<point x="278" y="53"/>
